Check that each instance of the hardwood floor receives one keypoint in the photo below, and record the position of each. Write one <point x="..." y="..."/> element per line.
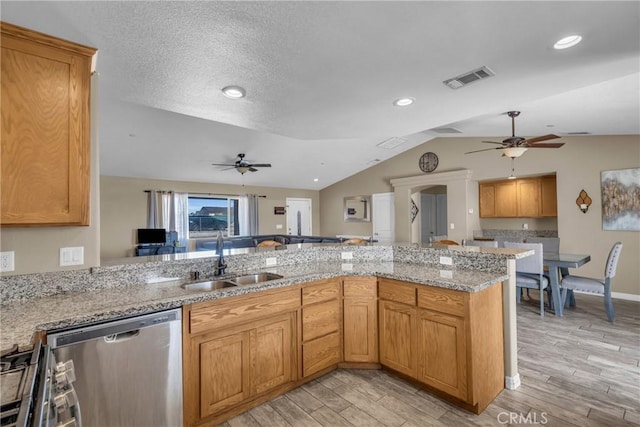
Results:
<point x="579" y="370"/>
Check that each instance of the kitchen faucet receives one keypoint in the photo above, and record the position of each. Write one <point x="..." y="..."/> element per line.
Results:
<point x="220" y="268"/>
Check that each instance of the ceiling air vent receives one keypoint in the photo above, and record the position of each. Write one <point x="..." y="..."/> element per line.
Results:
<point x="470" y="77"/>
<point x="392" y="142"/>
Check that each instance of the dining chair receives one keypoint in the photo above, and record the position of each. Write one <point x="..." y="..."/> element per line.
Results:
<point x="355" y="241"/>
<point x="267" y="243"/>
<point x="438" y="238"/>
<point x="529" y="271"/>
<point x="446" y="242"/>
<point x="549" y="244"/>
<point x="502" y="239"/>
<point x="483" y="243"/>
<point x="596" y="286"/>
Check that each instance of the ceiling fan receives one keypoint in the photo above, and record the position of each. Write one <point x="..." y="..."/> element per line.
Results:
<point x="243" y="166"/>
<point x="516" y="146"/>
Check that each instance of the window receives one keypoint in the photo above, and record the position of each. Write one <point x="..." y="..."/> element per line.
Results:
<point x="208" y="215"/>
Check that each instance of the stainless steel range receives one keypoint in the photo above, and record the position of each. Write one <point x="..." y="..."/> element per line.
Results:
<point x="35" y="391"/>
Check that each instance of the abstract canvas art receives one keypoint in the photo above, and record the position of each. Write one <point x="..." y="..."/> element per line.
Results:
<point x="621" y="199"/>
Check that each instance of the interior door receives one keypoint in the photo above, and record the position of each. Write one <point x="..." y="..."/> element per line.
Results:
<point x="383" y="217"/>
<point x="299" y="217"/>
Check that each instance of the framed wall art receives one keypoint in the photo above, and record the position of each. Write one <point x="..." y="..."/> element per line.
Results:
<point x="621" y="199"/>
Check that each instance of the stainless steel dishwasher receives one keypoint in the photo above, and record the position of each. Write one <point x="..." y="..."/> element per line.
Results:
<point x="128" y="372"/>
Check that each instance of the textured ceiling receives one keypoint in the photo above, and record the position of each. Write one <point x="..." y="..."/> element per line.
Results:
<point x="321" y="78"/>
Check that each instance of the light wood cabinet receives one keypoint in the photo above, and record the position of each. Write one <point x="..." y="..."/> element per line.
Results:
<point x="237" y="349"/>
<point x="450" y="341"/>
<point x="321" y="326"/>
<point x="548" y="196"/>
<point x="360" y="319"/>
<point x="528" y="197"/>
<point x="505" y="201"/>
<point x="45" y="148"/>
<point x="397" y="325"/>
<point x="519" y="198"/>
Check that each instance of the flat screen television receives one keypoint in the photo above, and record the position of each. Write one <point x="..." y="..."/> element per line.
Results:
<point x="151" y="235"/>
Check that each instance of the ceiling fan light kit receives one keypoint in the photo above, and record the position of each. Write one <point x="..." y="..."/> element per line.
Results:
<point x="243" y="166"/>
<point x="516" y="146"/>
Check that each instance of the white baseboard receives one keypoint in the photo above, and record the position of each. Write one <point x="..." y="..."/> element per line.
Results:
<point x="617" y="295"/>
<point x="512" y="383"/>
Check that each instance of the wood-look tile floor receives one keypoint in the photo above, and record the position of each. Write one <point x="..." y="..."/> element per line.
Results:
<point x="578" y="370"/>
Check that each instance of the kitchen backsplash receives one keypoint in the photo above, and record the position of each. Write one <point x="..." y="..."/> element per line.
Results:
<point x="514" y="233"/>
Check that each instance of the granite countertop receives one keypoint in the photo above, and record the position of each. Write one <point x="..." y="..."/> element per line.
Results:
<point x="20" y="320"/>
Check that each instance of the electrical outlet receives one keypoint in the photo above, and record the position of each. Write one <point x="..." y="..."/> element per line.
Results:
<point x="346" y="266"/>
<point x="525" y="226"/>
<point x="446" y="274"/>
<point x="271" y="261"/>
<point x="452" y="226"/>
<point x="446" y="260"/>
<point x="7" y="261"/>
<point x="347" y="255"/>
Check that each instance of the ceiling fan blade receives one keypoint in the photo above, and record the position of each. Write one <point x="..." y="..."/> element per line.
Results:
<point x="253" y="169"/>
<point x="261" y="165"/>
<point x="486" y="149"/>
<point x="552" y="145"/>
<point x="492" y="142"/>
<point x="541" y="138"/>
<point x="222" y="164"/>
<point x="228" y="168"/>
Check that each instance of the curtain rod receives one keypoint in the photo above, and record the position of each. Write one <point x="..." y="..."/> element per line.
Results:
<point x="202" y="194"/>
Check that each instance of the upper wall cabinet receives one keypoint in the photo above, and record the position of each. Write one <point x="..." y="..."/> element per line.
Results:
<point x="45" y="147"/>
<point x="520" y="198"/>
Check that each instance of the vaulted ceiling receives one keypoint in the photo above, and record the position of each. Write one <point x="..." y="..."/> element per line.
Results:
<point x="321" y="78"/>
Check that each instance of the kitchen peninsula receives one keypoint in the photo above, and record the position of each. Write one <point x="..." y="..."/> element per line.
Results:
<point x="411" y="287"/>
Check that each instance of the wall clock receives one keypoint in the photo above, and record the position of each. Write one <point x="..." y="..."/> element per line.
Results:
<point x="428" y="162"/>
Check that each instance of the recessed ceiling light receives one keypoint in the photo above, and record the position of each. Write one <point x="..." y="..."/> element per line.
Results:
<point x="234" y="92"/>
<point x="315" y="179"/>
<point x="567" y="42"/>
<point x="403" y="102"/>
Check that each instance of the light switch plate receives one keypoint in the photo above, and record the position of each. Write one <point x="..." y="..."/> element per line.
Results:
<point x="271" y="261"/>
<point x="71" y="256"/>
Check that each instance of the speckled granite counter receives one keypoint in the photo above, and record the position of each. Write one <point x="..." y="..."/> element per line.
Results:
<point x="68" y="299"/>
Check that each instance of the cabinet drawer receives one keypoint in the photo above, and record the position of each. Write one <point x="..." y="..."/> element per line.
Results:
<point x="320" y="319"/>
<point x="360" y="287"/>
<point x="320" y="353"/>
<point x="321" y="291"/>
<point x="442" y="300"/>
<point x="397" y="291"/>
<point x="225" y="313"/>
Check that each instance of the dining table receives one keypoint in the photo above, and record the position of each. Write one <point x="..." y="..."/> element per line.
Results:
<point x="559" y="265"/>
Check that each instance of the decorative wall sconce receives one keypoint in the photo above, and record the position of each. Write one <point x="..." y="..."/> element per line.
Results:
<point x="583" y="201"/>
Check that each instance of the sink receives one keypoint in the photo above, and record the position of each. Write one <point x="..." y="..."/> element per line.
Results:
<point x="210" y="285"/>
<point x="251" y="279"/>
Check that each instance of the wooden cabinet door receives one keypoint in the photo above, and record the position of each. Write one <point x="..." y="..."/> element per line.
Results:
<point x="224" y="372"/>
<point x="442" y="354"/>
<point x="506" y="199"/>
<point x="360" y="319"/>
<point x="397" y="327"/>
<point x="271" y="354"/>
<point x="360" y="330"/>
<point x="528" y="197"/>
<point x="487" y="200"/>
<point x="548" y="196"/>
<point x="45" y="140"/>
